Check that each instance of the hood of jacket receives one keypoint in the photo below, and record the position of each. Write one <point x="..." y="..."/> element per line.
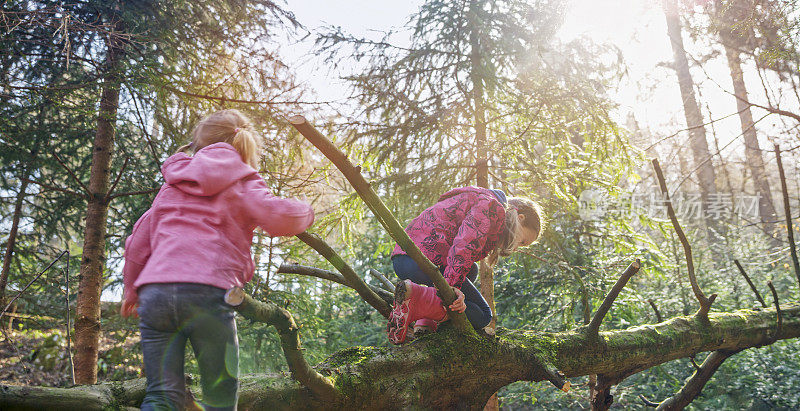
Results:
<point x="211" y="170"/>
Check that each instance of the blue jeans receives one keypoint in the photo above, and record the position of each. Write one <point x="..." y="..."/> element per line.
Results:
<point x="169" y="315"/>
<point x="478" y="311"/>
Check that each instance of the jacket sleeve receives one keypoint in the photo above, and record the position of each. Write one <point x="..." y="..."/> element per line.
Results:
<point x="277" y="216"/>
<point x="485" y="217"/>
<point x="137" y="252"/>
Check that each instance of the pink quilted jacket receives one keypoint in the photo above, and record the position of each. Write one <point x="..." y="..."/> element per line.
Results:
<point x="200" y="226"/>
<point x="460" y="229"/>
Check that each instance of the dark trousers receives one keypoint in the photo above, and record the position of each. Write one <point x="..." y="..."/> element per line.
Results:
<point x="169" y="316"/>
<point x="478" y="311"/>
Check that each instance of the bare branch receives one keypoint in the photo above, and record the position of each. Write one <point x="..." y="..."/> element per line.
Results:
<point x="788" y="213"/>
<point x="353" y="280"/>
<point x="594" y="325"/>
<point x="289" y="268"/>
<point x="705" y="302"/>
<point x="298" y="269"/>
<point x="750" y="283"/>
<point x="387" y="285"/>
<point x="269" y="313"/>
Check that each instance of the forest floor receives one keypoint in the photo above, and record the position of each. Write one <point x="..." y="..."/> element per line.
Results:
<point x="32" y="353"/>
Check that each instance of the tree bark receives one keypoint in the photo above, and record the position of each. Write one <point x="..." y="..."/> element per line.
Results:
<point x="87" y="319"/>
<point x="451" y="369"/>
<point x="691" y="110"/>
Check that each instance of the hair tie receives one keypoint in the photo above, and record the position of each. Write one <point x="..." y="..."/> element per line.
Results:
<point x="191" y="143"/>
<point x="236" y="130"/>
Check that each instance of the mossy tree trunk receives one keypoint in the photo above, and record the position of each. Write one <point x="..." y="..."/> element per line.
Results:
<point x="450" y="369"/>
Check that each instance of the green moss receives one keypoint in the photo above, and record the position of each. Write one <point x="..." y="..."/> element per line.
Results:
<point x="353" y="356"/>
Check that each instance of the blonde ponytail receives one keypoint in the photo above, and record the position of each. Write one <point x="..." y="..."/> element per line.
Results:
<point x="229" y="126"/>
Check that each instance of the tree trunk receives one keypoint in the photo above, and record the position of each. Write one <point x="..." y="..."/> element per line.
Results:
<point x="12" y="237"/>
<point x="752" y="149"/>
<point x="694" y="119"/>
<point x="87" y="319"/>
<point x="482" y="156"/>
<point x="449" y="369"/>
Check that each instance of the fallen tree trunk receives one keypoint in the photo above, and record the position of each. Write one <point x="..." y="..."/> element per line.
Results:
<point x="454" y="369"/>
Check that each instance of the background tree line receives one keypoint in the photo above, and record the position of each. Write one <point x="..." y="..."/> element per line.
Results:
<point x="96" y="94"/>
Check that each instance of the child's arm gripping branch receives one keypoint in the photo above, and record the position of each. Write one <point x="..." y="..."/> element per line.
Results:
<point x="137" y="252"/>
<point x="277" y="216"/>
<point x="470" y="241"/>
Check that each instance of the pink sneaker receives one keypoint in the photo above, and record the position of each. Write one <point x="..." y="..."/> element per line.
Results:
<point x="422" y="303"/>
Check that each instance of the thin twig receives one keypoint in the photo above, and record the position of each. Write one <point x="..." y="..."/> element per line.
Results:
<point x="135" y="193"/>
<point x="54" y="188"/>
<point x="779" y="327"/>
<point x="788" y="213"/>
<point x="72" y="173"/>
<point x="750" y="283"/>
<point x="113" y="186"/>
<point x="31" y="282"/>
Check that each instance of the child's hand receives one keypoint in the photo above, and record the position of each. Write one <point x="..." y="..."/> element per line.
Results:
<point x="458" y="305"/>
<point x="128" y="308"/>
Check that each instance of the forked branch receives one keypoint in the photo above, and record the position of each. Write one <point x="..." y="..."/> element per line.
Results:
<point x="353" y="280"/>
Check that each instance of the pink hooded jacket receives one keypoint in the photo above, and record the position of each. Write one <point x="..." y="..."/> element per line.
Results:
<point x="200" y="226"/>
<point x="460" y="229"/>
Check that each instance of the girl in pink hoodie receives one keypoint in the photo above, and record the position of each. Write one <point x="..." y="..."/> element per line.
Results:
<point x="190" y="247"/>
<point x="466" y="225"/>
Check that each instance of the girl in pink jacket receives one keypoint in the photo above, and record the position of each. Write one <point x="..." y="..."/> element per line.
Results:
<point x="190" y="247"/>
<point x="466" y="225"/>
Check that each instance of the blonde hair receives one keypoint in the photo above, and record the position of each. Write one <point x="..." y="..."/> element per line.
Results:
<point x="227" y="126"/>
<point x="506" y="245"/>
